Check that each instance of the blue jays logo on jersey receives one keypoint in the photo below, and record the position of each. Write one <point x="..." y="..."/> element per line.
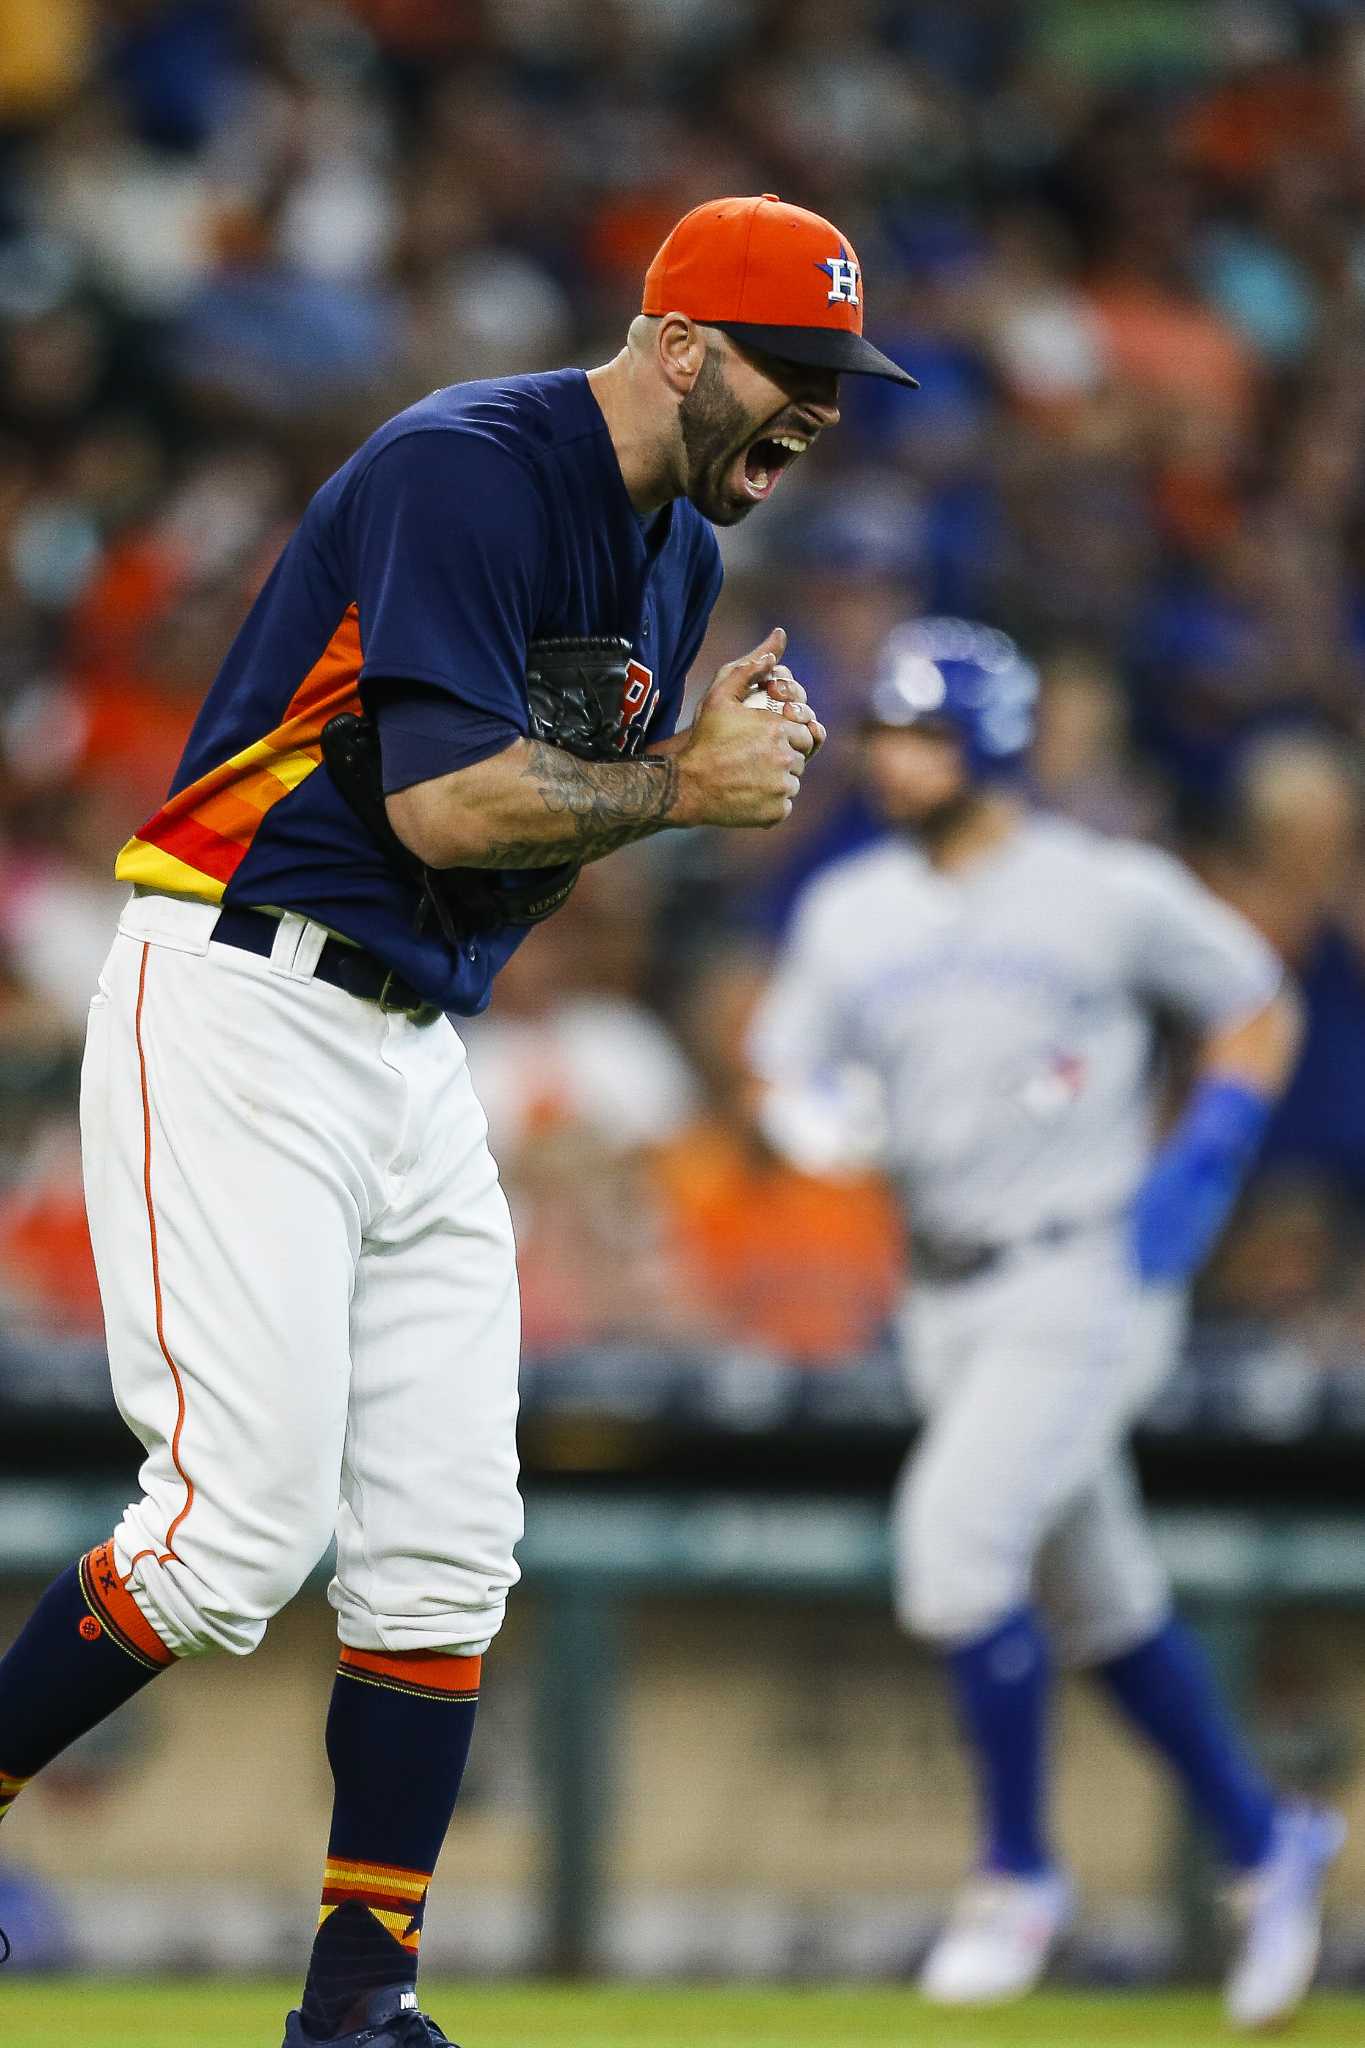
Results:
<point x="1050" y="1083"/>
<point x="843" y="273"/>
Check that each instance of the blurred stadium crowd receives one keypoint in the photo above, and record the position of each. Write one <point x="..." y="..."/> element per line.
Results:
<point x="1122" y="246"/>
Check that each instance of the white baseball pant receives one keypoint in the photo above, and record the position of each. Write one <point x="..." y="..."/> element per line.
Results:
<point x="309" y="1289"/>
<point x="1029" y="1377"/>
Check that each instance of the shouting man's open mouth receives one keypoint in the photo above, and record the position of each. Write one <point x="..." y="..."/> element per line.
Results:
<point x="765" y="459"/>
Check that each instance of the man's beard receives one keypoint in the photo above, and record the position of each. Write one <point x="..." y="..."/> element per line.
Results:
<point x="930" y="824"/>
<point x="715" y="428"/>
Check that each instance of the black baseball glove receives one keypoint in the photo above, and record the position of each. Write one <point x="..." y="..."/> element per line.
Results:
<point x="576" y="691"/>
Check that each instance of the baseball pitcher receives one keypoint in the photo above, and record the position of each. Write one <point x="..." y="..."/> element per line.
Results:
<point x="999" y="974"/>
<point x="459" y="684"/>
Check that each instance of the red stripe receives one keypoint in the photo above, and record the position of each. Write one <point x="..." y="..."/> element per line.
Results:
<point x="196" y="844"/>
<point x="383" y="1902"/>
<point x="156" y="1259"/>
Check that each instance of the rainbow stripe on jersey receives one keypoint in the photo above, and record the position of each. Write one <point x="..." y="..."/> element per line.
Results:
<point x="199" y="838"/>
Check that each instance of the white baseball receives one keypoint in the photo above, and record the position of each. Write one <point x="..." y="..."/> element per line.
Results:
<point x="758" y="698"/>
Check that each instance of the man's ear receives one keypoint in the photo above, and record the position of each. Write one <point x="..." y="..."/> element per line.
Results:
<point x="681" y="346"/>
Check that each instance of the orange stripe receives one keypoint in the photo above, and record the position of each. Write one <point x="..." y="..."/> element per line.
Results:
<point x="156" y="1260"/>
<point x="209" y="825"/>
<point x="109" y="1593"/>
<point x="231" y="815"/>
<point x="253" y="796"/>
<point x="417" y="1667"/>
<point x="235" y="814"/>
<point x="341" y="660"/>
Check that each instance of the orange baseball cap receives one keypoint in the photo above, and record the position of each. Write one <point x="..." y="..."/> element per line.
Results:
<point x="772" y="275"/>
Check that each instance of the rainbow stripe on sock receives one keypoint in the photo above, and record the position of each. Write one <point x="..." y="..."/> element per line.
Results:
<point x="10" y="1788"/>
<point x="397" y="1898"/>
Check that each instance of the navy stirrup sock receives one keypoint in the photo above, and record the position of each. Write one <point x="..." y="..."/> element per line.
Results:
<point x="84" y="1650"/>
<point x="398" y="1734"/>
<point x="1001" y="1685"/>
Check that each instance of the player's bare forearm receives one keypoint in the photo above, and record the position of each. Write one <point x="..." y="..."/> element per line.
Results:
<point x="533" y="806"/>
<point x="581" y="810"/>
<point x="1259" y="1050"/>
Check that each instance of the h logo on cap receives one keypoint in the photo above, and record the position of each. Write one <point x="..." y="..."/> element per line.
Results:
<point x="842" y="272"/>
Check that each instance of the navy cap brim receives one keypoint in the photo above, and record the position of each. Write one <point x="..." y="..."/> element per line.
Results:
<point x="823" y="348"/>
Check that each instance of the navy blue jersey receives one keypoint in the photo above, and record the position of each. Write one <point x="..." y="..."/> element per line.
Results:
<point x="486" y="516"/>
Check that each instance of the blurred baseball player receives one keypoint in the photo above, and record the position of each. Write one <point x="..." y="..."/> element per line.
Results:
<point x="1000" y="972"/>
<point x="459" y="684"/>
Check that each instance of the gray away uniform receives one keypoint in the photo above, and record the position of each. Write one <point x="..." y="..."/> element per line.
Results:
<point x="1007" y="1015"/>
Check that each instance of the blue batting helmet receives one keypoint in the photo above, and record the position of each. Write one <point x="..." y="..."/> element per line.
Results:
<point x="963" y="675"/>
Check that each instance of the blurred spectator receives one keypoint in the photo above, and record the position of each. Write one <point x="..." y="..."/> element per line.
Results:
<point x="47" y="1269"/>
<point x="45" y="53"/>
<point x="1285" y="1258"/>
<point x="1287" y="855"/>
<point x="582" y="1084"/>
<point x="1083" y="763"/>
<point x="801" y="1266"/>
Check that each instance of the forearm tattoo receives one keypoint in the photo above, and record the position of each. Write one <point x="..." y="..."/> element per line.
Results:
<point x="600" y="804"/>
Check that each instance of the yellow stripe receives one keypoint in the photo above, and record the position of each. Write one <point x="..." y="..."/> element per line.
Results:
<point x="266" y="753"/>
<point x="395" y="1923"/>
<point x="154" y="868"/>
<point x="260" y="754"/>
<point x="263" y="788"/>
<point x="291" y="768"/>
<point x="374" y="1879"/>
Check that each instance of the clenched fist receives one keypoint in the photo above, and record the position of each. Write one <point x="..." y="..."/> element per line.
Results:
<point x="740" y="769"/>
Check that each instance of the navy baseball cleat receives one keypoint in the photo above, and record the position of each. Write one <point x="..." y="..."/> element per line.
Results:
<point x="393" y="2021"/>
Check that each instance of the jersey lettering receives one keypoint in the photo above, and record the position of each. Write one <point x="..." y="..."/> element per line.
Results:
<point x="639" y="702"/>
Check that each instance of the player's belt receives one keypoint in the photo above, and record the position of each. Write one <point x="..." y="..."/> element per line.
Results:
<point x="345" y="966"/>
<point x="941" y="1261"/>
